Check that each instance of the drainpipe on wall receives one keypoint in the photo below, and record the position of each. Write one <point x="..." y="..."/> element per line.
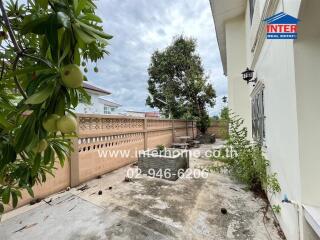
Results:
<point x="298" y="207"/>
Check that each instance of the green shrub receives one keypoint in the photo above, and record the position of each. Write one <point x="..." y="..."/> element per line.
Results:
<point x="247" y="163"/>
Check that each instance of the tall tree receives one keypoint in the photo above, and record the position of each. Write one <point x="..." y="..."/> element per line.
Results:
<point x="42" y="45"/>
<point x="177" y="83"/>
<point x="224" y="114"/>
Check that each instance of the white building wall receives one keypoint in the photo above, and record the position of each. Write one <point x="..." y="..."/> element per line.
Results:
<point x="96" y="107"/>
<point x="238" y="90"/>
<point x="307" y="63"/>
<point x="289" y="71"/>
<point x="275" y="68"/>
<point x="290" y="110"/>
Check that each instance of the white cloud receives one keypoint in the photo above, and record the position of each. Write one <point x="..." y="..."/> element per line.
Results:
<point x="139" y="28"/>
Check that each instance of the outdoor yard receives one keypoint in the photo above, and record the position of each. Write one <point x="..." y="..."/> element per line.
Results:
<point x="145" y="208"/>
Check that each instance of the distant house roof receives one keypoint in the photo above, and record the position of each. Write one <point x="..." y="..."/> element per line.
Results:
<point x="109" y="102"/>
<point x="91" y="87"/>
<point x="282" y="18"/>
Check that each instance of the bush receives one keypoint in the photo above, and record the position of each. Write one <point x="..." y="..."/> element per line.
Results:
<point x="247" y="165"/>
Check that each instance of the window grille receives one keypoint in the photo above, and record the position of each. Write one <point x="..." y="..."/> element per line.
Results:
<point x="258" y="118"/>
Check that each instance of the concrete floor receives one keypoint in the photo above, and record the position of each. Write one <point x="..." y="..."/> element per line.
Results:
<point x="145" y="208"/>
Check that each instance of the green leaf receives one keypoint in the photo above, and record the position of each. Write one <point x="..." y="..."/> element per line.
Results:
<point x="25" y="134"/>
<point x="74" y="99"/>
<point x="43" y="3"/>
<point x="40" y="96"/>
<point x="6" y="196"/>
<point x="83" y="36"/>
<point x="14" y="199"/>
<point x="66" y="48"/>
<point x="90" y="17"/>
<point x="94" y="30"/>
<point x="96" y="36"/>
<point x="52" y="36"/>
<point x="30" y="191"/>
<point x="75" y="5"/>
<point x="36" y="165"/>
<point x="35" y="24"/>
<point x="80" y="6"/>
<point x="5" y="124"/>
<point x="48" y="155"/>
<point x="9" y="155"/>
<point x="77" y="58"/>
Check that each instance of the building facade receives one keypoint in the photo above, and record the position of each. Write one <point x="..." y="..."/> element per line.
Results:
<point x="282" y="107"/>
<point x="100" y="104"/>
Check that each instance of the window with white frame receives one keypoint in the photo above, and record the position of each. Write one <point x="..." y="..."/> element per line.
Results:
<point x="258" y="118"/>
<point x="107" y="109"/>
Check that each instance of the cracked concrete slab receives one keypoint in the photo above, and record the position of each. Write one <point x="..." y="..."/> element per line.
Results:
<point x="146" y="208"/>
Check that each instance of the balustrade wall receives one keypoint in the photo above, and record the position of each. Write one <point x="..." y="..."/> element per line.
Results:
<point x="106" y="143"/>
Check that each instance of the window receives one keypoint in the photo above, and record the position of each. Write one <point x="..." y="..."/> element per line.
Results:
<point x="252" y="3"/>
<point x="258" y="118"/>
<point x="106" y="109"/>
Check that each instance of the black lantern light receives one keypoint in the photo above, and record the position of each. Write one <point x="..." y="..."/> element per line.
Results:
<point x="224" y="99"/>
<point x="247" y="75"/>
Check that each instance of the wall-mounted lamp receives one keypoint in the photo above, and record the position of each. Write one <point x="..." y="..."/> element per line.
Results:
<point x="247" y="75"/>
<point x="224" y="99"/>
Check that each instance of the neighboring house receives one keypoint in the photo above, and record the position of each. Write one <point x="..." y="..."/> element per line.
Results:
<point x="143" y="114"/>
<point x="281" y="110"/>
<point x="99" y="102"/>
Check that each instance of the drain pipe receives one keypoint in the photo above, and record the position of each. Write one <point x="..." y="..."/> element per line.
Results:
<point x="299" y="209"/>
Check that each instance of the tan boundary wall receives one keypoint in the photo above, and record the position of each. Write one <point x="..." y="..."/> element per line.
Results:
<point x="105" y="134"/>
<point x="219" y="128"/>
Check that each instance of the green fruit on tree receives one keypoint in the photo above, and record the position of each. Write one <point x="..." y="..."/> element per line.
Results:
<point x="41" y="146"/>
<point x="85" y="70"/>
<point x="67" y="124"/>
<point x="83" y="64"/>
<point x="72" y="76"/>
<point x="96" y="69"/>
<point x="50" y="123"/>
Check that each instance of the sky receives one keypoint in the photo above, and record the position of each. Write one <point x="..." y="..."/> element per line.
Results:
<point x="139" y="27"/>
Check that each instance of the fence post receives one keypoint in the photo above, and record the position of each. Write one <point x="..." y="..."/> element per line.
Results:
<point x="187" y="127"/>
<point x="74" y="160"/>
<point x="145" y="133"/>
<point x="173" y="131"/>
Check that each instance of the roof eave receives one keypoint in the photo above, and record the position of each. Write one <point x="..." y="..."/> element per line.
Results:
<point x="223" y="11"/>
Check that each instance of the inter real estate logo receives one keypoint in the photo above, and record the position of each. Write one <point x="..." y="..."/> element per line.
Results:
<point x="282" y="26"/>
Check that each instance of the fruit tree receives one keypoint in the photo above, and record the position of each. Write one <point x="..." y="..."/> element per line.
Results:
<point x="42" y="45"/>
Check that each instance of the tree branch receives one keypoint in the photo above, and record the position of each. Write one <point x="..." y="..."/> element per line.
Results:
<point x="16" y="46"/>
<point x="9" y="28"/>
<point x="2" y="70"/>
<point x="38" y="59"/>
<point x="15" y="63"/>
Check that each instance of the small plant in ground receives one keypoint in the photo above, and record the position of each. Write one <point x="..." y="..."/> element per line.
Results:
<point x="247" y="164"/>
<point x="276" y="208"/>
<point x="160" y="148"/>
